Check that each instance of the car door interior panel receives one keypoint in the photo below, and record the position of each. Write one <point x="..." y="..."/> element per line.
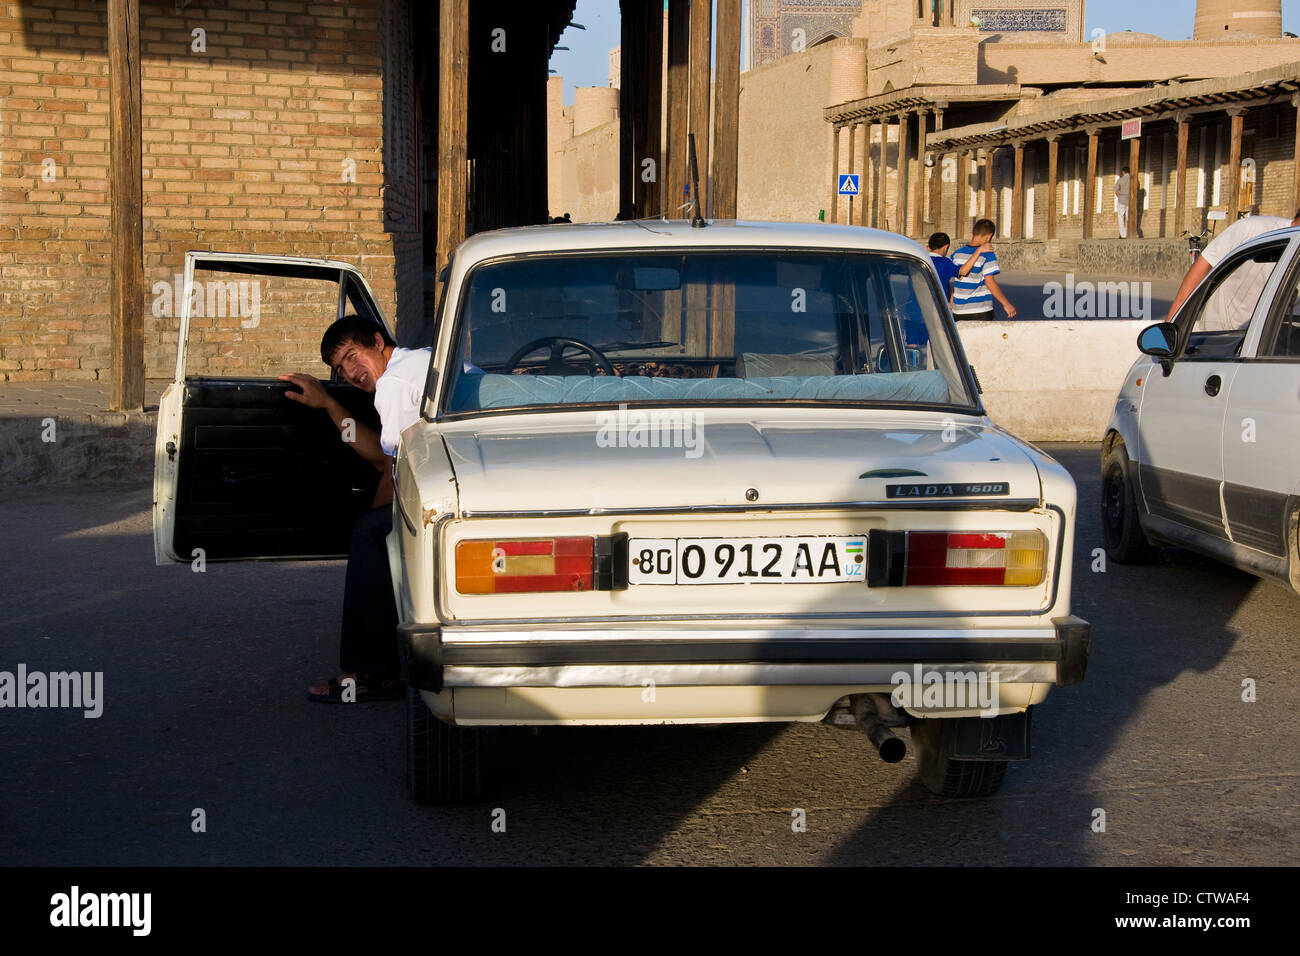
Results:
<point x="263" y="476"/>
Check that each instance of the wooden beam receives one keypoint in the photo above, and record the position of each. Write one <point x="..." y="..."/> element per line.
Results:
<point x="918" y="189"/>
<point x="990" y="212"/>
<point x="959" y="221"/>
<point x="869" y="184"/>
<point x="902" y="174"/>
<point x="882" y="175"/>
<point x="1134" y="154"/>
<point x="453" y="128"/>
<point x="630" y="97"/>
<point x="536" y="56"/>
<point x="701" y="71"/>
<point x="1180" y="177"/>
<point x="934" y="201"/>
<point x="865" y="175"/>
<point x="868" y="173"/>
<point x="853" y="135"/>
<point x="936" y="181"/>
<point x="651" y="136"/>
<point x="1295" y="181"/>
<point x="1234" y="162"/>
<point x="835" y="174"/>
<point x="126" y="187"/>
<point x="726" y="110"/>
<point x="1053" y="151"/>
<point x="679" y="87"/>
<point x="1089" y="184"/>
<point x="1017" y="193"/>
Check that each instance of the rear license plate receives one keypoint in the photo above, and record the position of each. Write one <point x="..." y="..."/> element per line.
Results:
<point x="805" y="559"/>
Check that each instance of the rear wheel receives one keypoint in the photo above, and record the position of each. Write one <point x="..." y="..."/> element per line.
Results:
<point x="442" y="760"/>
<point x="948" y="776"/>
<point x="1120" y="528"/>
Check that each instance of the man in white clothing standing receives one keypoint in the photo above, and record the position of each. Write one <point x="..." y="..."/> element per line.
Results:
<point x="1123" y="183"/>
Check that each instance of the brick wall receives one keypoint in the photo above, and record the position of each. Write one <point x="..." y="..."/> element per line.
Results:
<point x="588" y="172"/>
<point x="262" y="134"/>
<point x="932" y="56"/>
<point x="1127" y="60"/>
<point x="785" y="143"/>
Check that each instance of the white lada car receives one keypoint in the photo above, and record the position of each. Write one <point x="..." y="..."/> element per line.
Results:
<point x="672" y="475"/>
<point x="1203" y="448"/>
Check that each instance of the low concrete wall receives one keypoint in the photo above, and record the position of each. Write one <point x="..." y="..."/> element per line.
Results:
<point x="1018" y="255"/>
<point x="1140" y="258"/>
<point x="1052" y="381"/>
<point x="60" y="448"/>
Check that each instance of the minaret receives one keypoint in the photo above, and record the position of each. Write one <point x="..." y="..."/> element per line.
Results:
<point x="1228" y="18"/>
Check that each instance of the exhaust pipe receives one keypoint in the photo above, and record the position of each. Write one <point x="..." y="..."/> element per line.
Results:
<point x="891" y="748"/>
<point x="875" y="714"/>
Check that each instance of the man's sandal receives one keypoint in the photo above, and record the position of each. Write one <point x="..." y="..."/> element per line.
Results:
<point x="364" y="690"/>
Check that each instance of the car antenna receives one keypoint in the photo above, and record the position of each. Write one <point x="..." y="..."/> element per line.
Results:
<point x="697" y="220"/>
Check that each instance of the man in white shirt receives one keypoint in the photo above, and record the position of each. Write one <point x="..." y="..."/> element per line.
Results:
<point x="364" y="357"/>
<point x="1122" y="185"/>
<point x="1234" y="301"/>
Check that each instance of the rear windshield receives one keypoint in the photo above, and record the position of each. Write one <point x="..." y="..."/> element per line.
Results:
<point x="704" y="327"/>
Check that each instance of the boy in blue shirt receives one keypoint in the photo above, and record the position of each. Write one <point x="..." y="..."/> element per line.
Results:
<point x="938" y="245"/>
<point x="974" y="288"/>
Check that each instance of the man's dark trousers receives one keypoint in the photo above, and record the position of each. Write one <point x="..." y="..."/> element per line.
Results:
<point x="369" y="644"/>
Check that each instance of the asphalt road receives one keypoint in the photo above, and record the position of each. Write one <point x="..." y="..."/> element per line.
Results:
<point x="204" y="707"/>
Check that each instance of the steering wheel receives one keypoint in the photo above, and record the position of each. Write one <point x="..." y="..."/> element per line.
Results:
<point x="555" y="364"/>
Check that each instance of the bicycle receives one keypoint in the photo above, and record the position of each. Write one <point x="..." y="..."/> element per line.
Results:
<point x="1194" y="245"/>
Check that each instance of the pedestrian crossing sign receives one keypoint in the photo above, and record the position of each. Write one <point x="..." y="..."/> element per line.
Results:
<point x="848" y="184"/>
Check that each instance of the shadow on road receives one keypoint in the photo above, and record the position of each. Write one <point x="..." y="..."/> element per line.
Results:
<point x="205" y="710"/>
<point x="1151" y="625"/>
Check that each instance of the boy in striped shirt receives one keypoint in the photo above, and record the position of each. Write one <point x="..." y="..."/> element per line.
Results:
<point x="974" y="288"/>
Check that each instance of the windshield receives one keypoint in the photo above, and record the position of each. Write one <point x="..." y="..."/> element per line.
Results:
<point x="735" y="327"/>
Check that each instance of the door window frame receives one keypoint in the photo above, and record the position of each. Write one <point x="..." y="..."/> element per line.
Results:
<point x="1191" y="311"/>
<point x="1267" y="337"/>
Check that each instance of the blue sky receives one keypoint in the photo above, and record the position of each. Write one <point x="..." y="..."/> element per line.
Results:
<point x="587" y="62"/>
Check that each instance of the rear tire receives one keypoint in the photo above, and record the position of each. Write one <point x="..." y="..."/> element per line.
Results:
<point x="947" y="776"/>
<point x="1120" y="528"/>
<point x="442" y="760"/>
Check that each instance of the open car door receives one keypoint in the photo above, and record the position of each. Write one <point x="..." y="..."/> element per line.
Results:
<point x="241" y="471"/>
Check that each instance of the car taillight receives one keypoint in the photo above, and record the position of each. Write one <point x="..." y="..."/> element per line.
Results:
<point x="524" y="565"/>
<point x="929" y="558"/>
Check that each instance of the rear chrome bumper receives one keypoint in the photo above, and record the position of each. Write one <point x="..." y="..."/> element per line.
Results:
<point x="438" y="658"/>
